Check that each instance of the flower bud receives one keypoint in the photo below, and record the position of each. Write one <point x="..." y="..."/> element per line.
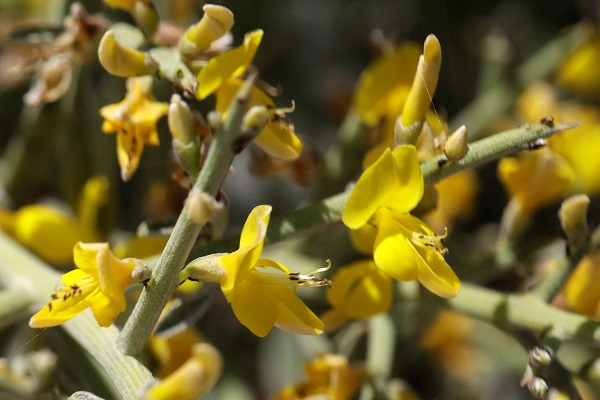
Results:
<point x="123" y="61"/>
<point x="457" y="145"/>
<point x="424" y="83"/>
<point x="200" y="206"/>
<point x="539" y="357"/>
<point x="573" y="219"/>
<point x="538" y="387"/>
<point x="146" y="16"/>
<point x="216" y="22"/>
<point x="181" y="122"/>
<point x="255" y="119"/>
<point x="52" y="82"/>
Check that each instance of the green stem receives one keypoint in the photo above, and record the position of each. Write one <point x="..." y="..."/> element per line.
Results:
<point x="126" y="376"/>
<point x="164" y="280"/>
<point x="524" y="311"/>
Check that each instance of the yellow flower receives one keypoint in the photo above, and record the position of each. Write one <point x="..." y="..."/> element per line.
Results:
<point x="229" y="64"/>
<point x="536" y="179"/>
<point x="99" y="282"/>
<point x="358" y="290"/>
<point x="277" y="138"/>
<point x="403" y="246"/>
<point x="134" y="120"/>
<point x="196" y="376"/>
<point x="173" y="351"/>
<point x="126" y="5"/>
<point x="328" y="376"/>
<point x="384" y="85"/>
<point x="578" y="71"/>
<point x="261" y="300"/>
<point x="581" y="290"/>
<point x="47" y="231"/>
<point x="578" y="146"/>
<point x="50" y="232"/>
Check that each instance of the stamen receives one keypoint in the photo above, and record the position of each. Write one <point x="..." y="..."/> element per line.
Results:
<point x="294" y="278"/>
<point x="434" y="241"/>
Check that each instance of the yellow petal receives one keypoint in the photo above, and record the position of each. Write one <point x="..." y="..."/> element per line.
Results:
<point x="363" y="238"/>
<point x="67" y="304"/>
<point x="106" y="309"/>
<point x="253" y="309"/>
<point x="382" y="78"/>
<point x="409" y="186"/>
<point x="122" y="61"/>
<point x="581" y="290"/>
<point x="371" y="190"/>
<point x="47" y="231"/>
<point x="195" y="377"/>
<point x="537" y="178"/>
<point x="129" y="152"/>
<point x="361" y="290"/>
<point x="394" y="254"/>
<point x="277" y="138"/>
<point x="229" y="64"/>
<point x="237" y="264"/>
<point x="437" y="276"/>
<point x="216" y="22"/>
<point x="294" y="316"/>
<point x="424" y="83"/>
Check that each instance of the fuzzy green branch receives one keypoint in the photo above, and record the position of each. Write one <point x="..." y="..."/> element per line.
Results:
<point x="524" y="311"/>
<point x="165" y="274"/>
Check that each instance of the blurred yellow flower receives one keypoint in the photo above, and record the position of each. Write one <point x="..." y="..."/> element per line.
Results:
<point x="578" y="71"/>
<point x="173" y="351"/>
<point x="134" y="120"/>
<point x="50" y="232"/>
<point x="261" y="300"/>
<point x="535" y="179"/>
<point x="384" y="85"/>
<point x="578" y="146"/>
<point x="99" y="283"/>
<point x="196" y="376"/>
<point x="329" y="376"/>
<point x="377" y="212"/>
<point x="358" y="290"/>
<point x="278" y="138"/>
<point x="581" y="290"/>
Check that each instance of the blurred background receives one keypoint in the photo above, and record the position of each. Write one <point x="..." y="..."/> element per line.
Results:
<point x="313" y="51"/>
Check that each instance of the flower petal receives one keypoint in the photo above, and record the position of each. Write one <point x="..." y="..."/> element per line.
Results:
<point x="229" y="64"/>
<point x="394" y="253"/>
<point x="253" y="309"/>
<point x="383" y="77"/>
<point x="237" y="264"/>
<point x="278" y="138"/>
<point x="294" y="316"/>
<point x="361" y="290"/>
<point x="409" y="185"/>
<point x="372" y="188"/>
